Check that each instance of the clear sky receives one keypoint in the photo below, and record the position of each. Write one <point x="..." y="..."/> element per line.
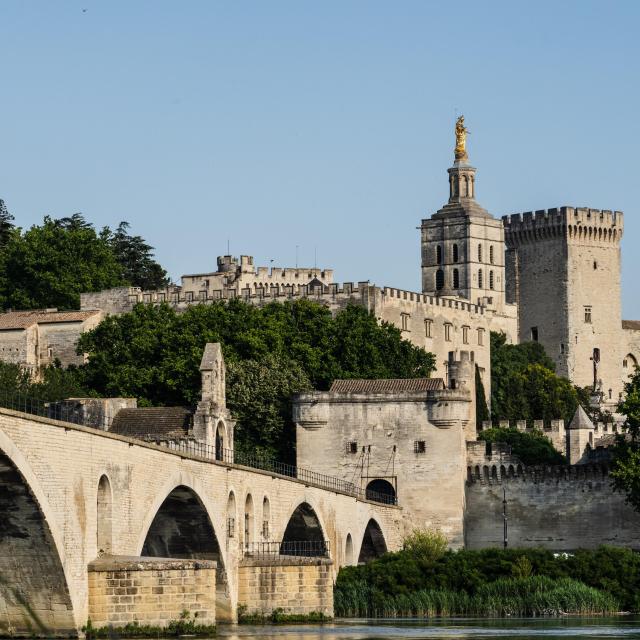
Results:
<point x="327" y="125"/>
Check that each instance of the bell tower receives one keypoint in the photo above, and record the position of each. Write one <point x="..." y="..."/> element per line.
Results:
<point x="462" y="243"/>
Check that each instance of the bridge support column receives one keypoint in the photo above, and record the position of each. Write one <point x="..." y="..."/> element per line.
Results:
<point x="296" y="585"/>
<point x="151" y="591"/>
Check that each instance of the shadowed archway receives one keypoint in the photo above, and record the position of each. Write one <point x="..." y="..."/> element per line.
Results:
<point x="304" y="534"/>
<point x="373" y="543"/>
<point x="182" y="529"/>
<point x="34" y="594"/>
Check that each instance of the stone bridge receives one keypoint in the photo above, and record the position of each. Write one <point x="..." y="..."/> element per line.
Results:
<point x="82" y="510"/>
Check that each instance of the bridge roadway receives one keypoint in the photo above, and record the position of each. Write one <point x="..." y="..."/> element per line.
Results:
<point x="69" y="494"/>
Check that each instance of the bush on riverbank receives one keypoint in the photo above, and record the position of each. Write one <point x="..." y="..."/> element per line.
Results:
<point x="278" y="616"/>
<point x="533" y="596"/>
<point x="611" y="570"/>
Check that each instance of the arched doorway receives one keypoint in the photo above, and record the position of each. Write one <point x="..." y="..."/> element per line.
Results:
<point x="220" y="440"/>
<point x="348" y="551"/>
<point x="373" y="543"/>
<point x="381" y="491"/>
<point x="248" y="521"/>
<point x="104" y="519"/>
<point x="36" y="599"/>
<point x="304" y="535"/>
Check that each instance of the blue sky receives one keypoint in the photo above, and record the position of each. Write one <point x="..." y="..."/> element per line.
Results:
<point x="326" y="125"/>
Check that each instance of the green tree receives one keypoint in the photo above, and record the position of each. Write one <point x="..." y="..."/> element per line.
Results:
<point x="136" y="257"/>
<point x="153" y="354"/>
<point x="524" y="384"/>
<point x="626" y="453"/>
<point x="6" y="224"/>
<point x="532" y="447"/>
<point x="259" y="395"/>
<point x="51" y="264"/>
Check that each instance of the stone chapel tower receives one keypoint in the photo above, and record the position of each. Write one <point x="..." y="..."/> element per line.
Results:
<point x="462" y="243"/>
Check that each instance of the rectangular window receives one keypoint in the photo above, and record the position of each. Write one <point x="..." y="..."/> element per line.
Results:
<point x="447" y="332"/>
<point x="481" y="337"/>
<point x="427" y="328"/>
<point x="352" y="447"/>
<point x="189" y="296"/>
<point x="419" y="446"/>
<point x="534" y="334"/>
<point x="465" y="335"/>
<point x="404" y="318"/>
<point x="231" y="527"/>
<point x="562" y="347"/>
<point x="265" y="529"/>
<point x="203" y="295"/>
<point x="587" y="315"/>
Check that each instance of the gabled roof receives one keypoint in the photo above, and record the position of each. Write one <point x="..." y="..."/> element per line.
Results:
<point x="152" y="423"/>
<point x="396" y="385"/>
<point x="25" y="319"/>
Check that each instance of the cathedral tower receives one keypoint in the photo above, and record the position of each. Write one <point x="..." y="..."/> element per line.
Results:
<point x="462" y="243"/>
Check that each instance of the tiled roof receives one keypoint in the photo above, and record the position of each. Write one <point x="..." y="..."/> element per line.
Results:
<point x="634" y="325"/>
<point x="387" y="386"/>
<point x="150" y="423"/>
<point x="24" y="319"/>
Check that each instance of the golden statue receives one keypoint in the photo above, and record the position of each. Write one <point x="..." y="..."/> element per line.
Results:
<point x="461" y="140"/>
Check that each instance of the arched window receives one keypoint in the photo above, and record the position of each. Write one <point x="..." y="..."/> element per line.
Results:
<point x="380" y="490"/>
<point x="490" y="279"/>
<point x="439" y="279"/>
<point x="231" y="515"/>
<point x="348" y="555"/>
<point x="439" y="254"/>
<point x="220" y="441"/>
<point x="456" y="279"/>
<point x="491" y="254"/>
<point x="480" y="279"/>
<point x="479" y="253"/>
<point x="455" y="252"/>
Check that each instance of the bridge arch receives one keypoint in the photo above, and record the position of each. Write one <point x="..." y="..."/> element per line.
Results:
<point x="104" y="516"/>
<point x="373" y="542"/>
<point x="31" y="553"/>
<point x="304" y="533"/>
<point x="182" y="525"/>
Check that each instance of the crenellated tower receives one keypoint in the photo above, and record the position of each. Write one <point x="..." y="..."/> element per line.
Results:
<point x="564" y="276"/>
<point x="462" y="243"/>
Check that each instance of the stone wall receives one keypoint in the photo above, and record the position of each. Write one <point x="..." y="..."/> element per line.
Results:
<point x="296" y="585"/>
<point x="151" y="591"/>
<point x="561" y="508"/>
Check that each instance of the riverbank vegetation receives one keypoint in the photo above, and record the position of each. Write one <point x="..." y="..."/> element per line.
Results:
<point x="278" y="616"/>
<point x="495" y="582"/>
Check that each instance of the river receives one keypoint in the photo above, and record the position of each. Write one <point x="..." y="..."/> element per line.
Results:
<point x="522" y="629"/>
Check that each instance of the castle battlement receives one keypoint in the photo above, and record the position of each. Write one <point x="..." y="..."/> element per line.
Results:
<point x="582" y="223"/>
<point x="500" y="474"/>
<point x="437" y="301"/>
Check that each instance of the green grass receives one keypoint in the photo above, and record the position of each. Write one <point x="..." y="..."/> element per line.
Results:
<point x="532" y="596"/>
<point x="278" y="616"/>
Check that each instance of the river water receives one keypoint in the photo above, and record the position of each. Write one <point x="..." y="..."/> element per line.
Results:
<point x="541" y="629"/>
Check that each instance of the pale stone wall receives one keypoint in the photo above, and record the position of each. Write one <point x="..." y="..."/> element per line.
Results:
<point x="562" y="509"/>
<point x="150" y="591"/>
<point x="19" y="346"/>
<point x="385" y="429"/>
<point x="296" y="585"/>
<point x="57" y="341"/>
<point x="568" y="268"/>
<point x="62" y="465"/>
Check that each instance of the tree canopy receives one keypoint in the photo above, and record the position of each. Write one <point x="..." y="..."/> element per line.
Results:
<point x="532" y="447"/>
<point x="626" y="453"/>
<point x="153" y="354"/>
<point x="524" y="385"/>
<point x="49" y="265"/>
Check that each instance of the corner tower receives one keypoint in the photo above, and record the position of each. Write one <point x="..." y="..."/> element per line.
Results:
<point x="462" y="243"/>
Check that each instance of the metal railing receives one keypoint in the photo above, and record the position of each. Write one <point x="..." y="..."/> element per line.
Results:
<point x="297" y="548"/>
<point x="74" y="413"/>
